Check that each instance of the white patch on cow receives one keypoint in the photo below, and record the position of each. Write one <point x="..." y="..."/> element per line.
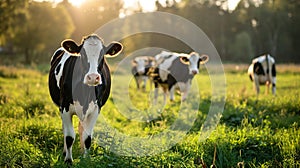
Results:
<point x="92" y="47"/>
<point x="77" y="108"/>
<point x="165" y="64"/>
<point x="62" y="63"/>
<point x="193" y="60"/>
<point x="162" y="54"/>
<point x="164" y="61"/>
<point x="141" y="63"/>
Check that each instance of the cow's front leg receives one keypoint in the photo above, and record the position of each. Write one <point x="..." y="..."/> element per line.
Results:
<point x="185" y="92"/>
<point x="86" y="131"/>
<point x="256" y="85"/>
<point x="137" y="82"/>
<point x="144" y="82"/>
<point x="69" y="135"/>
<point x="172" y="90"/>
<point x="165" y="90"/>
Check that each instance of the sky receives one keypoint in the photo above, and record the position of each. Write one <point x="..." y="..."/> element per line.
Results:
<point x="147" y="5"/>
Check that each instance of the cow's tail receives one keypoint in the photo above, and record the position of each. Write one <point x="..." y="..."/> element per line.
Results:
<point x="267" y="63"/>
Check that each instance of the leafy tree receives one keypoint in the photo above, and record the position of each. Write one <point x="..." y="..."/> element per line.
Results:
<point x="45" y="27"/>
<point x="9" y="10"/>
<point x="91" y="15"/>
<point x="241" y="49"/>
<point x="268" y="22"/>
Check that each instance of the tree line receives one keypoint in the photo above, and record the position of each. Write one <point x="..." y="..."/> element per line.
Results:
<point x="30" y="31"/>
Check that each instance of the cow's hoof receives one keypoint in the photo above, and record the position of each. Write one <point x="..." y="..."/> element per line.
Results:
<point x="69" y="161"/>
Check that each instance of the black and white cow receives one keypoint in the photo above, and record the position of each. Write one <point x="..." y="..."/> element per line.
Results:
<point x="262" y="71"/>
<point x="176" y="70"/>
<point x="141" y="67"/>
<point x="79" y="83"/>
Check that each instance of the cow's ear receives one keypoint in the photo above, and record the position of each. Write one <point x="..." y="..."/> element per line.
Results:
<point x="71" y="46"/>
<point x="133" y="62"/>
<point x="184" y="60"/>
<point x="204" y="59"/>
<point x="113" y="49"/>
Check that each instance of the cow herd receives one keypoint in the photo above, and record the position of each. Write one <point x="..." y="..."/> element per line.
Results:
<point x="80" y="81"/>
<point x="168" y="70"/>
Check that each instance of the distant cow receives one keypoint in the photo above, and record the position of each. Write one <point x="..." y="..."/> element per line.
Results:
<point x="176" y="70"/>
<point x="79" y="83"/>
<point x="262" y="71"/>
<point x="140" y="69"/>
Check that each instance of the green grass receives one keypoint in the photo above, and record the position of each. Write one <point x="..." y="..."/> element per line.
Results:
<point x="255" y="133"/>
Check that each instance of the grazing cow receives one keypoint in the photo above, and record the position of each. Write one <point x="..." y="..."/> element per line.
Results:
<point x="79" y="83"/>
<point x="262" y="71"/>
<point x="176" y="70"/>
<point x="141" y="67"/>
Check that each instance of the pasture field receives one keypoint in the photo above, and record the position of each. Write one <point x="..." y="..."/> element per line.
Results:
<point x="251" y="132"/>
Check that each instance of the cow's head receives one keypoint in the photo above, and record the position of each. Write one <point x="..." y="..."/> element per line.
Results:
<point x="91" y="52"/>
<point x="194" y="60"/>
<point x="141" y="63"/>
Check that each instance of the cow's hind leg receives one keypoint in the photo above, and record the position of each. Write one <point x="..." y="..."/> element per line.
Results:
<point x="86" y="131"/>
<point x="69" y="135"/>
<point x="155" y="92"/>
<point x="267" y="87"/>
<point x="274" y="85"/>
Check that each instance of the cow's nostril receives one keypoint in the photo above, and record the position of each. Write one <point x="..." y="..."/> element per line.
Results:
<point x="89" y="77"/>
<point x="98" y="78"/>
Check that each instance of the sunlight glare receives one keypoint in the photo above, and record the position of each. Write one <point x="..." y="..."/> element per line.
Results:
<point x="232" y="4"/>
<point x="76" y="3"/>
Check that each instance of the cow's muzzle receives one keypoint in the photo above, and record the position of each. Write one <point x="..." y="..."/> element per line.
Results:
<point x="93" y="79"/>
<point x="194" y="72"/>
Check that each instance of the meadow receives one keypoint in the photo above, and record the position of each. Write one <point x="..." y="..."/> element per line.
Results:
<point x="252" y="132"/>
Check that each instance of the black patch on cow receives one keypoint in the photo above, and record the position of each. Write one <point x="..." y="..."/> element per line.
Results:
<point x="68" y="162"/>
<point x="273" y="84"/>
<point x="88" y="142"/>
<point x="69" y="141"/>
<point x="57" y="56"/>
<point x="66" y="96"/>
<point x="134" y="71"/>
<point x="258" y="69"/>
<point x="52" y="83"/>
<point x="198" y="63"/>
<point x="273" y="70"/>
<point x="250" y="77"/>
<point x="100" y="92"/>
<point x="179" y="72"/>
<point x="156" y="77"/>
<point x="57" y="69"/>
<point x="171" y="81"/>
